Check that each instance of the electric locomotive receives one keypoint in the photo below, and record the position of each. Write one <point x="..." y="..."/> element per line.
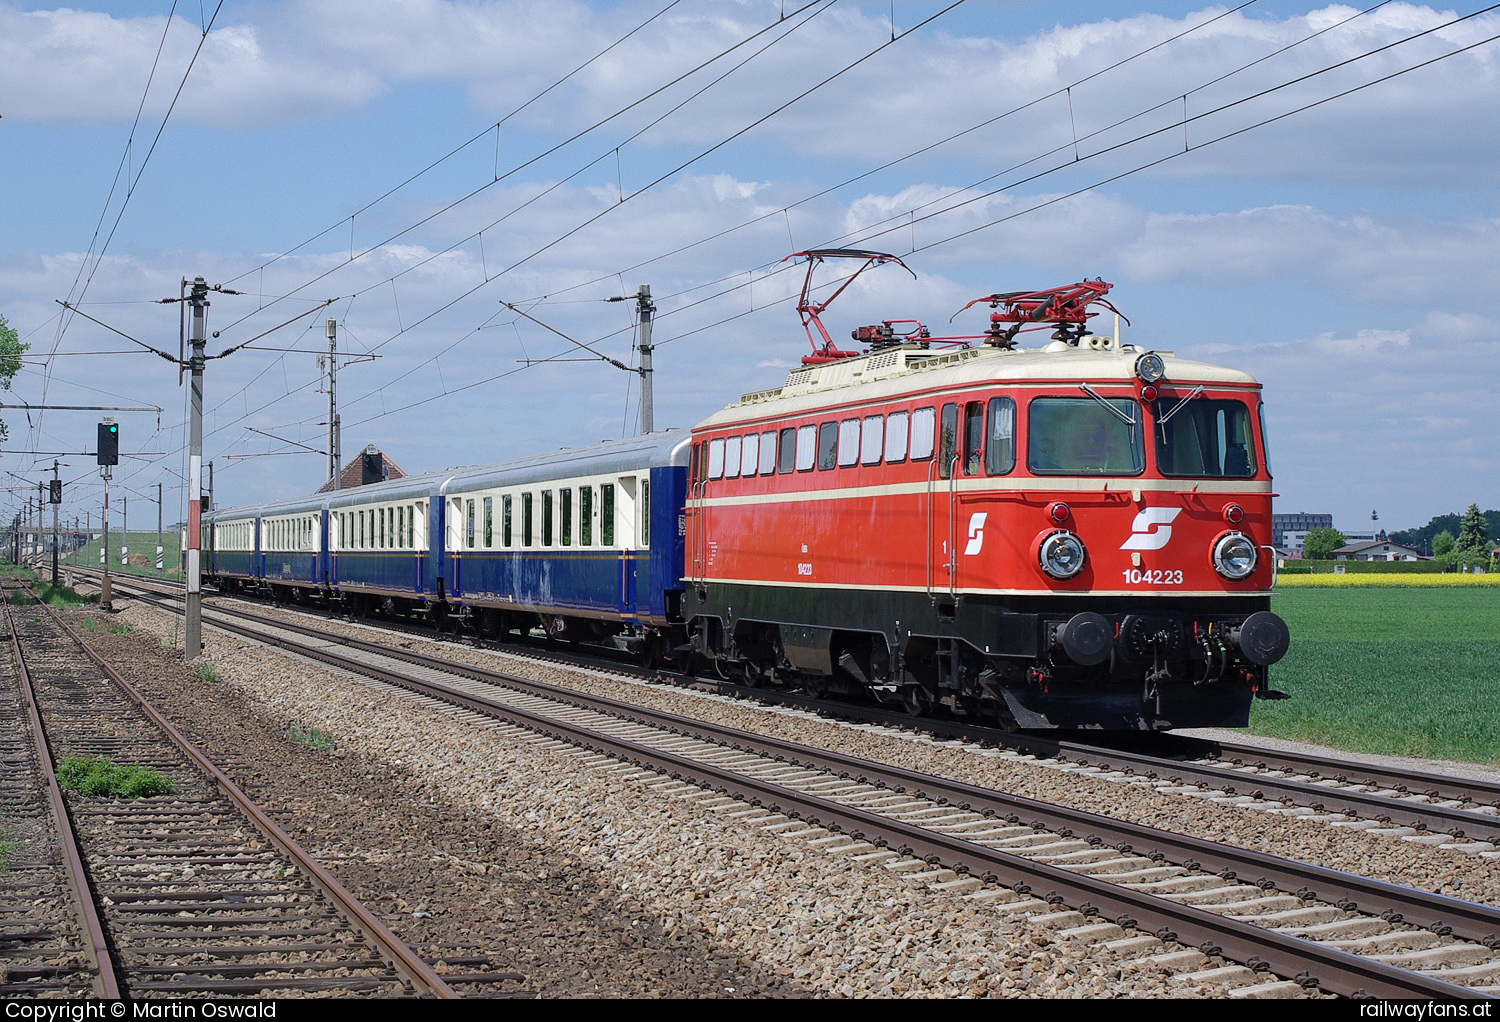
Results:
<point x="1071" y="536"/>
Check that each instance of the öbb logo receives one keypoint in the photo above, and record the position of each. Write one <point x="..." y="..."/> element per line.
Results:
<point x="1152" y="528"/>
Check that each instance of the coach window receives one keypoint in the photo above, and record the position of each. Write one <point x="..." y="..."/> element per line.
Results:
<point x="768" y="452"/>
<point x="585" y="516"/>
<point x="607" y="514"/>
<point x="848" y="443"/>
<point x="732" y="458"/>
<point x="715" y="459"/>
<point x="786" y="457"/>
<point x="1000" y="448"/>
<point x="645" y="512"/>
<point x="526" y="519"/>
<point x="871" y="439"/>
<point x="807" y="447"/>
<point x="505" y="514"/>
<point x="361" y="530"/>
<point x="567" y="516"/>
<point x="750" y="456"/>
<point x="489" y="522"/>
<point x="471" y="523"/>
<point x="546" y="518"/>
<point x="895" y="437"/>
<point x="948" y="444"/>
<point x="973" y="437"/>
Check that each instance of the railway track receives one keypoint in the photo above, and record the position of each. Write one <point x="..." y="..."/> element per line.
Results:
<point x="196" y="892"/>
<point x="1092" y="877"/>
<point x="1458" y="813"/>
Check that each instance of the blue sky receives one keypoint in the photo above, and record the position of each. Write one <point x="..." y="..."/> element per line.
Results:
<point x="1346" y="254"/>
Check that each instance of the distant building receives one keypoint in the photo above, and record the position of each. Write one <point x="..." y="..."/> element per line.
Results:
<point x="370" y="465"/>
<point x="1376" y="550"/>
<point x="1288" y="531"/>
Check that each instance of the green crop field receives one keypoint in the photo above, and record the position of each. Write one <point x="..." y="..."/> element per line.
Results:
<point x="142" y="553"/>
<point x="1400" y="671"/>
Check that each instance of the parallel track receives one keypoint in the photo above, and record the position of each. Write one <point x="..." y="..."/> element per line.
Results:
<point x="196" y="893"/>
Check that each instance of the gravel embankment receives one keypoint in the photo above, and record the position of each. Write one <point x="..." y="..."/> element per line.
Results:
<point x="576" y="876"/>
<point x="1378" y="856"/>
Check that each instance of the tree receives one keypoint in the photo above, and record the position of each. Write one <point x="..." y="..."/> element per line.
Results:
<point x="1442" y="543"/>
<point x="11" y="350"/>
<point x="1319" y="544"/>
<point x="1472" y="544"/>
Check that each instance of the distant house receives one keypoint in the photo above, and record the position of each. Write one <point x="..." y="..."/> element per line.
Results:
<point x="1376" y="550"/>
<point x="369" y="466"/>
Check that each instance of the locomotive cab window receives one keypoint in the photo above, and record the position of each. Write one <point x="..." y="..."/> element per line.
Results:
<point x="1204" y="438"/>
<point x="973" y="437"/>
<point x="1000" y="445"/>
<point x="948" y="442"/>
<point x="1082" y="436"/>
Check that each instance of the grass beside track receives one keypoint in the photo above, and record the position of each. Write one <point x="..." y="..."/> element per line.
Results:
<point x="1394" y="671"/>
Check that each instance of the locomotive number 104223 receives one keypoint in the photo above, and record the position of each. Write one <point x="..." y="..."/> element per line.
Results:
<point x="1152" y="577"/>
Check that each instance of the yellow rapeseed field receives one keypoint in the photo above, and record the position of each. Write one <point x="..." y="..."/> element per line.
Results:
<point x="1386" y="581"/>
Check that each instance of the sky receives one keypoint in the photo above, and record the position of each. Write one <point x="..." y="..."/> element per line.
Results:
<point x="1304" y="192"/>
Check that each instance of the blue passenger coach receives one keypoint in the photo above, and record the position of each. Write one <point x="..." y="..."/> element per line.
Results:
<point x="588" y="539"/>
<point x="588" y="542"/>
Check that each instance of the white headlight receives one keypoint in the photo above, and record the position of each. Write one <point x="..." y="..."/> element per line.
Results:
<point x="1061" y="554"/>
<point x="1150" y="368"/>
<point x="1234" y="556"/>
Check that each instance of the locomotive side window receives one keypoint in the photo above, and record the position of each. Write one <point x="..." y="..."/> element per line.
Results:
<point x="923" y="429"/>
<point x="848" y="443"/>
<point x="828" y="445"/>
<point x="505" y="521"/>
<point x="948" y="444"/>
<point x="585" y="516"/>
<point x="1000" y="448"/>
<point x="607" y="514"/>
<point x="973" y="437"/>
<point x="715" y="459"/>
<point x="872" y="439"/>
<point x="750" y="456"/>
<point x="768" y="452"/>
<point x="1082" y="436"/>
<point x="695" y="465"/>
<point x="1265" y="438"/>
<point x="732" y="457"/>
<point x="526" y="519"/>
<point x="1204" y="438"/>
<point x="807" y="447"/>
<point x="896" y="426"/>
<point x="787" y="458"/>
<point x="546" y="518"/>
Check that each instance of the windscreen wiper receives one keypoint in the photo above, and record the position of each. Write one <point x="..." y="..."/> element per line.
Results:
<point x="1123" y="416"/>
<point x="1179" y="406"/>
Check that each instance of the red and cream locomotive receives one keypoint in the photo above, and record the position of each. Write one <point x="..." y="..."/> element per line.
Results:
<point x="1075" y="535"/>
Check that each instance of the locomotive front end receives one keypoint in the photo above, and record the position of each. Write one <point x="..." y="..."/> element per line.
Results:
<point x="1129" y="581"/>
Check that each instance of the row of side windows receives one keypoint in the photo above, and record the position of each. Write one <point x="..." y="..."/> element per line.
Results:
<point x="395" y="527"/>
<point x="234" y="535"/>
<point x="298" y="534"/>
<point x="605" y="515"/>
<point x="988" y="441"/>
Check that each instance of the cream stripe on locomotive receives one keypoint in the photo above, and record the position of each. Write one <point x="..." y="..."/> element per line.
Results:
<point x="966" y="591"/>
<point x="999" y="486"/>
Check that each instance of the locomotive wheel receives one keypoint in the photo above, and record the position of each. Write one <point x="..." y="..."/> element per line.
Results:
<point x="916" y="700"/>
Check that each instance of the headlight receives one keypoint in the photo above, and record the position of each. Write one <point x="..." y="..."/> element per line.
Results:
<point x="1234" y="556"/>
<point x="1150" y="368"/>
<point x="1061" y="554"/>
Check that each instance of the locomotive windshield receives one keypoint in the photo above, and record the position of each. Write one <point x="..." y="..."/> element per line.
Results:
<point x="1082" y="436"/>
<point x="1204" y="438"/>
